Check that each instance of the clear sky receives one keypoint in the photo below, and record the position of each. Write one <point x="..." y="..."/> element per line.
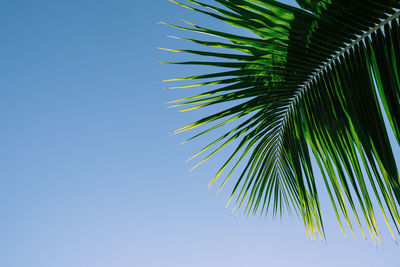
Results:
<point x="90" y="177"/>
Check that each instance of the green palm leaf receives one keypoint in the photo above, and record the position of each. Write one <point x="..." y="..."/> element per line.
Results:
<point x="311" y="83"/>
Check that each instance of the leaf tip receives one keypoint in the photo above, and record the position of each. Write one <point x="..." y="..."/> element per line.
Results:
<point x="174" y="37"/>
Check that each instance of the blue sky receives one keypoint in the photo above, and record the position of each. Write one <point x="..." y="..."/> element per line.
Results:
<point x="89" y="175"/>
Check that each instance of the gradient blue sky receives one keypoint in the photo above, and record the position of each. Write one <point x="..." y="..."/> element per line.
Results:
<point x="89" y="176"/>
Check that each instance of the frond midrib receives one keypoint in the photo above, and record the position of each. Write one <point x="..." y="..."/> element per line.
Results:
<point x="303" y="88"/>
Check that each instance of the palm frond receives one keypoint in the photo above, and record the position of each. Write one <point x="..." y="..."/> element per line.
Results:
<point x="312" y="81"/>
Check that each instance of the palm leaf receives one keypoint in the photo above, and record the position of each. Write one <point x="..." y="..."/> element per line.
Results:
<point x="313" y="81"/>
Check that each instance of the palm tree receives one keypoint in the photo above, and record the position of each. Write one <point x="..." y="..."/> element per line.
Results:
<point x="315" y="82"/>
